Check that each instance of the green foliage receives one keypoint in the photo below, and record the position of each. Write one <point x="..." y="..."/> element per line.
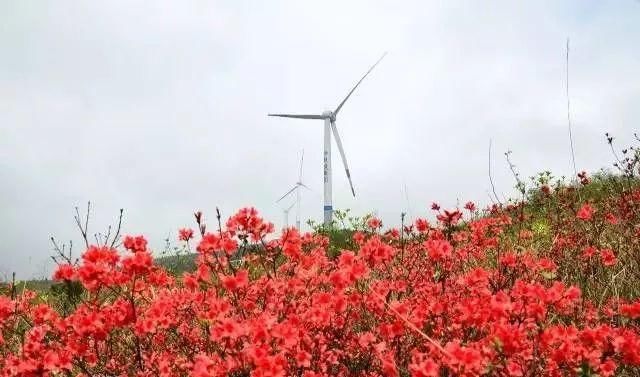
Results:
<point x="177" y="260"/>
<point x="340" y="231"/>
<point x="178" y="263"/>
<point x="66" y="295"/>
<point x="545" y="222"/>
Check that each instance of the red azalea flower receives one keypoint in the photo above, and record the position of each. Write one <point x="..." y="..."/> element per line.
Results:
<point x="374" y="223"/>
<point x="611" y="218"/>
<point x="135" y="244"/>
<point x="608" y="257"/>
<point x="470" y="206"/>
<point x="585" y="212"/>
<point x="64" y="272"/>
<point x="422" y="225"/>
<point x="185" y="234"/>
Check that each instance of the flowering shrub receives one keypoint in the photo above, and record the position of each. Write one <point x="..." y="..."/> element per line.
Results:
<point x="511" y="293"/>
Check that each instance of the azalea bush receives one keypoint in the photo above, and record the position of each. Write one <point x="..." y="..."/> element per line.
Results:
<point x="544" y="286"/>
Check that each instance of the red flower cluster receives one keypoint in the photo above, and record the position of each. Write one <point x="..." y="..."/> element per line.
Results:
<point x="478" y="299"/>
<point x="135" y="244"/>
<point x="585" y="212"/>
<point x="185" y="234"/>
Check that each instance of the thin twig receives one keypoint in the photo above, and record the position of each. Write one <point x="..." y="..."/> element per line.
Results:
<point x="412" y="326"/>
<point x="493" y="187"/>
<point x="61" y="251"/>
<point x="117" y="235"/>
<point x="573" y="155"/>
<point x="613" y="151"/>
<point x="402" y="215"/>
<point x="512" y="167"/>
<point x="491" y="197"/>
<point x="106" y="239"/>
<point x="406" y="197"/>
<point x="83" y="230"/>
<point x="86" y="221"/>
<point x="613" y="278"/>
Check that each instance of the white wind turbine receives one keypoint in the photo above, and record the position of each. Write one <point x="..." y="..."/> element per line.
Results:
<point x="329" y="118"/>
<point x="295" y="188"/>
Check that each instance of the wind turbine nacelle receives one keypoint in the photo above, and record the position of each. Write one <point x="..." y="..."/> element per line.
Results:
<point x="327" y="113"/>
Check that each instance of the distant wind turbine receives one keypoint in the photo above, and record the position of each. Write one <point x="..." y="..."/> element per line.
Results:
<point x="286" y="215"/>
<point x="329" y="118"/>
<point x="296" y="189"/>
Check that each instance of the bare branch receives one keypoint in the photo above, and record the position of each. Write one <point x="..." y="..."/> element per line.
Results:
<point x="116" y="237"/>
<point x="86" y="221"/>
<point x="61" y="251"/>
<point x="106" y="239"/>
<point x="83" y="230"/>
<point x="613" y="151"/>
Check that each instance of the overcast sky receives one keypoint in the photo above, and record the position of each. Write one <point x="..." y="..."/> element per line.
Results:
<point x="159" y="107"/>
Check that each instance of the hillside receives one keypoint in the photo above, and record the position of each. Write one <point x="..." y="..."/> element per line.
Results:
<point x="542" y="285"/>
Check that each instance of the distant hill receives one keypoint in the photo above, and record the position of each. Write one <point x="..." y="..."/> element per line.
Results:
<point x="37" y="285"/>
<point x="179" y="263"/>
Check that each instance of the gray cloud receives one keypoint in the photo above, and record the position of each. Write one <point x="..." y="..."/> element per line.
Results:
<point x="159" y="107"/>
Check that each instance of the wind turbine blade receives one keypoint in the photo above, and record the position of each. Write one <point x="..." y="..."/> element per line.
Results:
<point x="305" y="186"/>
<point x="301" y="161"/>
<point x="358" y="83"/>
<point x="298" y="116"/>
<point x="344" y="158"/>
<point x="288" y="192"/>
<point x="291" y="206"/>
